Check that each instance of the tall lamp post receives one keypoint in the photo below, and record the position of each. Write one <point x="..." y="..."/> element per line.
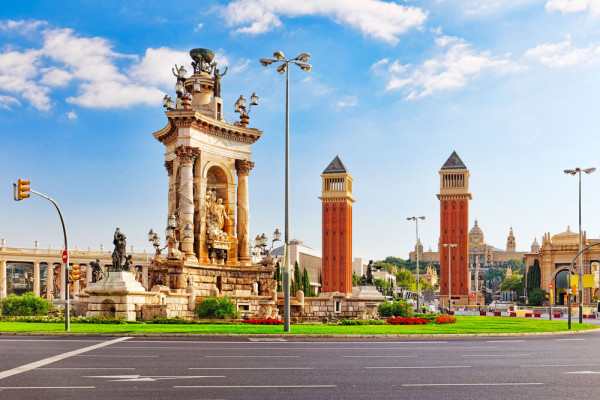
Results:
<point x="580" y="294"/>
<point x="450" y="246"/>
<point x="416" y="219"/>
<point x="300" y="61"/>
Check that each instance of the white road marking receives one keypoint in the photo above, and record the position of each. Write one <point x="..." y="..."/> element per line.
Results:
<point x="495" y="355"/>
<point x="474" y="384"/>
<point x="559" y="365"/>
<point x="107" y="355"/>
<point x="298" y="348"/>
<point x="252" y="356"/>
<point x="84" y="368"/>
<point x="37" y="364"/>
<point x="431" y="367"/>
<point x="372" y="356"/>
<point x="584" y="372"/>
<point x="256" y="387"/>
<point x="44" y="387"/>
<point x="260" y="339"/>
<point x="506" y="341"/>
<point x="49" y="340"/>
<point x="265" y="368"/>
<point x="143" y="378"/>
<point x="568" y="339"/>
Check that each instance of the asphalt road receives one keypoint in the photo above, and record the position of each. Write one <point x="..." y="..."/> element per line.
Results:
<point x="521" y="367"/>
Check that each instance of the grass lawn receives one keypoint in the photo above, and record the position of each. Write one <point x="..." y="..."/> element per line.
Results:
<point x="464" y="325"/>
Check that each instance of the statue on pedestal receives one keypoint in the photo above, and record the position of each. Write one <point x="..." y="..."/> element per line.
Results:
<point x="216" y="216"/>
<point x="118" y="255"/>
<point x="368" y="279"/>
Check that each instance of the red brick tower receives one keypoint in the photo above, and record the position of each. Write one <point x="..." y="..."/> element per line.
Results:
<point x="337" y="228"/>
<point x="454" y="199"/>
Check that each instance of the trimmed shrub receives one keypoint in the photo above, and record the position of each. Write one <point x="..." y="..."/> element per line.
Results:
<point x="26" y="304"/>
<point x="399" y="308"/>
<point x="263" y="321"/>
<point x="216" y="308"/>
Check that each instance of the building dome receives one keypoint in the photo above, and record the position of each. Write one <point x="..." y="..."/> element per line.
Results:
<point x="476" y="234"/>
<point x="567" y="237"/>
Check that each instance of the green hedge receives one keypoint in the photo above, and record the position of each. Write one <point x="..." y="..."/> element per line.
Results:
<point x="216" y="308"/>
<point x="399" y="308"/>
<point x="26" y="304"/>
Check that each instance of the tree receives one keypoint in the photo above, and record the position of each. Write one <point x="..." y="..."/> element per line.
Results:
<point x="405" y="279"/>
<point x="383" y="286"/>
<point x="297" y="285"/>
<point x="355" y="280"/>
<point x="306" y="284"/>
<point x="537" y="297"/>
<point x="512" y="284"/>
<point x="534" y="277"/>
<point x="385" y="266"/>
<point x="277" y="276"/>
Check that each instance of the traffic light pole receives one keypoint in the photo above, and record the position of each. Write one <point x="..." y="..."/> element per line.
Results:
<point x="66" y="282"/>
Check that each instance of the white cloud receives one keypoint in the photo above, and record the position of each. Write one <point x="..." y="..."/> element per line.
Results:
<point x="452" y="69"/>
<point x="381" y="20"/>
<point x="198" y="27"/>
<point x="21" y="26"/>
<point x="240" y="67"/>
<point x="380" y="63"/>
<point x="573" y="6"/>
<point x="17" y="71"/>
<point x="70" y="115"/>
<point x="347" y="101"/>
<point x="7" y="101"/>
<point x="563" y="54"/>
<point x="113" y="94"/>
<point x="55" y="77"/>
<point x="481" y="8"/>
<point x="156" y="66"/>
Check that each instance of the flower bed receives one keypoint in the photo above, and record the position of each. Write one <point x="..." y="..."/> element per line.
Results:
<point x="420" y="321"/>
<point x="263" y="321"/>
<point x="445" y="320"/>
<point x="407" y="321"/>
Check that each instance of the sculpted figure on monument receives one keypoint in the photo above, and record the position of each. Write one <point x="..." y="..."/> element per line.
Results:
<point x="217" y="83"/>
<point x="215" y="217"/>
<point x="368" y="279"/>
<point x="118" y="254"/>
<point x="97" y="273"/>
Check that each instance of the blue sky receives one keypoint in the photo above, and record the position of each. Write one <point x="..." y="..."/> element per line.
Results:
<point x="511" y="85"/>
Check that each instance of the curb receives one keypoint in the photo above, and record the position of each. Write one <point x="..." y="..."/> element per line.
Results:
<point x="296" y="335"/>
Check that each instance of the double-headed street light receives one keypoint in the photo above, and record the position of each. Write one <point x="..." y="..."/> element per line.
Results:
<point x="450" y="246"/>
<point x="416" y="219"/>
<point x="300" y="61"/>
<point x="580" y="294"/>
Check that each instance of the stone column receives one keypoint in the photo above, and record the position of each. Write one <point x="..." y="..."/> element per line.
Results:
<point x="145" y="277"/>
<point x="3" y="278"/>
<point x="243" y="168"/>
<point x="50" y="281"/>
<point x="171" y="195"/>
<point x="36" y="278"/>
<point x="88" y="274"/>
<point x="63" y="290"/>
<point x="186" y="156"/>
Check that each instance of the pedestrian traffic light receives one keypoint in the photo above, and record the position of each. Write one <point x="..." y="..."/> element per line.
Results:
<point x="22" y="189"/>
<point x="76" y="273"/>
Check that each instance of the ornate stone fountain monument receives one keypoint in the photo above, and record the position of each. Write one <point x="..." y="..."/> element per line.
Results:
<point x="208" y="161"/>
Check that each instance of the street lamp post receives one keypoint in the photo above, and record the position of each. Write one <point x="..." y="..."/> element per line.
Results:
<point x="416" y="219"/>
<point x="300" y="61"/>
<point x="580" y="293"/>
<point x="450" y="246"/>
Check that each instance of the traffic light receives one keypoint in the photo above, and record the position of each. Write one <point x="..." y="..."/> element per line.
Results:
<point x="22" y="189"/>
<point x="76" y="273"/>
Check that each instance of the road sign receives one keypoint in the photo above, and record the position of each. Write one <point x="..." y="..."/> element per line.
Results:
<point x="52" y="292"/>
<point x="550" y="286"/>
<point x="65" y="256"/>
<point x="473" y="295"/>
